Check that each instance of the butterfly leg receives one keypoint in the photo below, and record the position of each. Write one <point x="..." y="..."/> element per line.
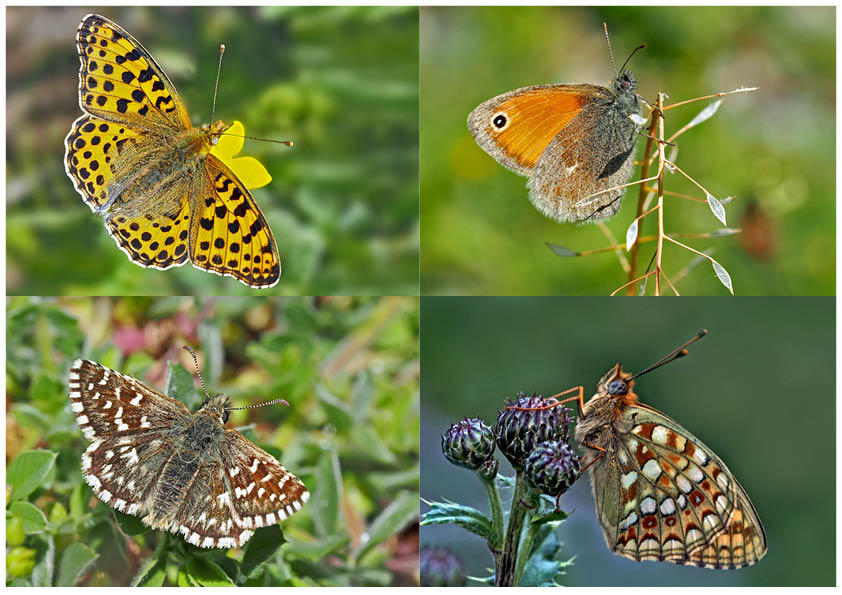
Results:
<point x="596" y="458"/>
<point x="578" y="398"/>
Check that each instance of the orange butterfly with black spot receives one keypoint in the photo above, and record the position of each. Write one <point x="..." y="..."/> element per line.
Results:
<point x="661" y="494"/>
<point x="139" y="163"/>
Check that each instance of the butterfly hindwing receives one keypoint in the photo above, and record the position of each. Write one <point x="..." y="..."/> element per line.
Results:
<point x="153" y="241"/>
<point x="664" y="495"/>
<point x="229" y="234"/>
<point x="119" y="80"/>
<point x="265" y="493"/>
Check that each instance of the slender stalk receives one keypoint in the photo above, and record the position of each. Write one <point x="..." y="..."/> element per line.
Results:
<point x="517" y="514"/>
<point x="495" y="544"/>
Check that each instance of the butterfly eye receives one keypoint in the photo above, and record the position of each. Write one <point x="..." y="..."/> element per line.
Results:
<point x="617" y="387"/>
<point x="225" y="416"/>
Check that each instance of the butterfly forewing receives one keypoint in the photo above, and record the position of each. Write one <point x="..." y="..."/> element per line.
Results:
<point x="119" y="81"/>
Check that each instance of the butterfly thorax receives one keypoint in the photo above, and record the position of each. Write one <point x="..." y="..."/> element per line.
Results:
<point x="149" y="179"/>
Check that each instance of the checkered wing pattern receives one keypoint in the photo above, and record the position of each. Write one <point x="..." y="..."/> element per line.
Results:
<point x="248" y="491"/>
<point x="670" y="498"/>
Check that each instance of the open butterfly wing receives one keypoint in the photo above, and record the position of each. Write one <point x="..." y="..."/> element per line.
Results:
<point x="119" y="81"/>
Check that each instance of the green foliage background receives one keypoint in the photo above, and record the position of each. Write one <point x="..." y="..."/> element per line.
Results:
<point x="774" y="148"/>
<point x="349" y="369"/>
<point x="758" y="390"/>
<point x="342" y="82"/>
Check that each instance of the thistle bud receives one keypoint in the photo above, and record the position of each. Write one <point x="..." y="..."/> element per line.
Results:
<point x="468" y="443"/>
<point x="520" y="430"/>
<point x="441" y="568"/>
<point x="552" y="467"/>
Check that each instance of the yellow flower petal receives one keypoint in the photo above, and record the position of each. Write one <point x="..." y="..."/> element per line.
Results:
<point x="248" y="169"/>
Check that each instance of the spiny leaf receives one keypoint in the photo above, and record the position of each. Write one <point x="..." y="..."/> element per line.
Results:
<point x="561" y="250"/>
<point x="722" y="275"/>
<point x="717" y="208"/>
<point x="631" y="234"/>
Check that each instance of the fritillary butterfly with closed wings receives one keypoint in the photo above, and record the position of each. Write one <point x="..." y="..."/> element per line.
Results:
<point x="179" y="472"/>
<point x="661" y="494"/>
<point x="136" y="160"/>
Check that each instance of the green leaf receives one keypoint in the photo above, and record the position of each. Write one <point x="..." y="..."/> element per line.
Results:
<point x="78" y="502"/>
<point x="543" y="568"/>
<point x="261" y="548"/>
<point x="45" y="560"/>
<point x="130" y="525"/>
<point x="180" y="385"/>
<point x="445" y="513"/>
<point x="26" y="473"/>
<point x="33" y="519"/>
<point x="75" y="561"/>
<point x="325" y="503"/>
<point x="553" y="516"/>
<point x="153" y="571"/>
<point x="401" y="512"/>
<point x="206" y="573"/>
<point x="316" y="550"/>
<point x="362" y="395"/>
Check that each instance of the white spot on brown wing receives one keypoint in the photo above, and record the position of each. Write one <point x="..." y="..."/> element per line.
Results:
<point x="260" y="492"/>
<point x="270" y="519"/>
<point x="227" y="542"/>
<point x="86" y="461"/>
<point x="266" y="478"/>
<point x="90" y="386"/>
<point x="133" y="508"/>
<point x="694" y="473"/>
<point x="194" y="538"/>
<point x="254" y="465"/>
<point x="628" y="479"/>
<point x="96" y="396"/>
<point x="144" y="423"/>
<point x="117" y="392"/>
<point x="119" y="504"/>
<point x="94" y="482"/>
<point x="648" y="505"/>
<point x="82" y="419"/>
<point x="282" y="515"/>
<point x="224" y="498"/>
<point x="305" y="496"/>
<point x="245" y="536"/>
<point x="104" y="380"/>
<point x="667" y="507"/>
<point x="120" y="480"/>
<point x="208" y="542"/>
<point x="651" y="470"/>
<point x="107" y="405"/>
<point x="105" y="496"/>
<point x="272" y="497"/>
<point x="722" y="480"/>
<point x="122" y="427"/>
<point x="233" y="471"/>
<point x="88" y="432"/>
<point x="250" y="488"/>
<point x="76" y="407"/>
<point x="131" y="457"/>
<point x="74" y="375"/>
<point x="258" y="520"/>
<point x="136" y="400"/>
<point x="683" y="484"/>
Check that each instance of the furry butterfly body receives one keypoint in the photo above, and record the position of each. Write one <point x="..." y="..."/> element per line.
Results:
<point x="572" y="141"/>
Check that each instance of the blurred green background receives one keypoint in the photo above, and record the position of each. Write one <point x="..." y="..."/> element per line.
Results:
<point x="759" y="391"/>
<point x="349" y="369"/>
<point x="773" y="149"/>
<point x="342" y="82"/>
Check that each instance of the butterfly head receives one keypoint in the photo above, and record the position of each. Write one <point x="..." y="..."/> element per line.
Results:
<point x="214" y="131"/>
<point x="617" y="383"/>
<point x="218" y="406"/>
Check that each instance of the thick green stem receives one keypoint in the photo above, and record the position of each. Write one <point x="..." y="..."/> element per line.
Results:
<point x="525" y="548"/>
<point x="495" y="543"/>
<point x="506" y="575"/>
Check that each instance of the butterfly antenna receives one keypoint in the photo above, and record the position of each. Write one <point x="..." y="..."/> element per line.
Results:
<point x="610" y="53"/>
<point x="673" y="355"/>
<point x="199" y="374"/>
<point x="288" y="143"/>
<point x="216" y="86"/>
<point x="634" y="51"/>
<point x="272" y="402"/>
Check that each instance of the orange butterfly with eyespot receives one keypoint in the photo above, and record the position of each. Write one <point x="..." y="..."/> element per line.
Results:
<point x="574" y="142"/>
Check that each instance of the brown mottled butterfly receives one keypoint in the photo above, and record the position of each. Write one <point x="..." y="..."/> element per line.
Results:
<point x="574" y="142"/>
<point x="661" y="494"/>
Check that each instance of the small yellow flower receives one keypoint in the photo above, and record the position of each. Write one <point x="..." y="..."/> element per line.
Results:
<point x="248" y="169"/>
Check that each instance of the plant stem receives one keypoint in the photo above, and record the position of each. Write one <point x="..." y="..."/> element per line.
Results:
<point x="495" y="544"/>
<point x="525" y="549"/>
<point x="506" y="576"/>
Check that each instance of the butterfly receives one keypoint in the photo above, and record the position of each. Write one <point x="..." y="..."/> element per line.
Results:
<point x="179" y="472"/>
<point x="138" y="162"/>
<point x="571" y="141"/>
<point x="662" y="494"/>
